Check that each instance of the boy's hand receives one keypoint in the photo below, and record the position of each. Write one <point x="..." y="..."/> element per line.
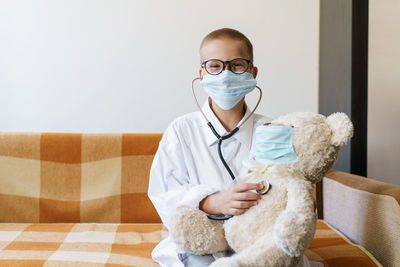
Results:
<point x="234" y="201"/>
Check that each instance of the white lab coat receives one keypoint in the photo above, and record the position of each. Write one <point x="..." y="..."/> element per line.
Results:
<point x="187" y="168"/>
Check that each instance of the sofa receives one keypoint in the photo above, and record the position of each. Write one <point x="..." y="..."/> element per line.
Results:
<point x="80" y="199"/>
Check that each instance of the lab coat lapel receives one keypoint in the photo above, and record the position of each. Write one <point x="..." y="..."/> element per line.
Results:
<point x="245" y="133"/>
<point x="210" y="137"/>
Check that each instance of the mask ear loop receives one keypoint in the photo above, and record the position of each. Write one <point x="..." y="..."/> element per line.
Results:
<point x="243" y="122"/>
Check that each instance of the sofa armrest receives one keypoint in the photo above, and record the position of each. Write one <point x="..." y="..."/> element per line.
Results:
<point x="366" y="211"/>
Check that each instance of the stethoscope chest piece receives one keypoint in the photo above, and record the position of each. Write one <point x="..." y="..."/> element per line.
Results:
<point x="265" y="189"/>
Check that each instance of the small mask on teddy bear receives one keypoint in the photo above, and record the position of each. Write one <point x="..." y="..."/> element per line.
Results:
<point x="290" y="155"/>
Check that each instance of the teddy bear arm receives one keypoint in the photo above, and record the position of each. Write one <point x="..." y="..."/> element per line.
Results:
<point x="194" y="232"/>
<point x="295" y="226"/>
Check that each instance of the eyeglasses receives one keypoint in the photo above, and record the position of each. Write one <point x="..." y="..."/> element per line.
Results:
<point x="216" y="66"/>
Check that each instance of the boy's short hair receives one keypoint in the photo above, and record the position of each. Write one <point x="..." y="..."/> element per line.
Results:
<point x="229" y="33"/>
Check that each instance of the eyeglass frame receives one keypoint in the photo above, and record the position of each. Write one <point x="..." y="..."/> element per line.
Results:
<point x="203" y="65"/>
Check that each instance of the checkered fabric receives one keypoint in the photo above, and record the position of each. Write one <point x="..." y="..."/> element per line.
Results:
<point x="81" y="200"/>
<point x="93" y="244"/>
<point x="72" y="178"/>
<point x="80" y="244"/>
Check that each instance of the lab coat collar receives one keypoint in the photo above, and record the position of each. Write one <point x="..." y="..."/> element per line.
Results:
<point x="244" y="135"/>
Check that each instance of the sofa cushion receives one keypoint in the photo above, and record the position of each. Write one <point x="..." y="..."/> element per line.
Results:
<point x="74" y="177"/>
<point x="68" y="244"/>
<point x="332" y="248"/>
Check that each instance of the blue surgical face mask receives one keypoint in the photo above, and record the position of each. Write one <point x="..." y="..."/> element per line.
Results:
<point x="228" y="88"/>
<point x="273" y="144"/>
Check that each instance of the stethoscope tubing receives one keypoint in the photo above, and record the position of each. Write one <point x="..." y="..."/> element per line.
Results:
<point x="221" y="138"/>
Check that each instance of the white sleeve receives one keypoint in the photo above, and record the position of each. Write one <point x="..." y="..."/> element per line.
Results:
<point x="169" y="184"/>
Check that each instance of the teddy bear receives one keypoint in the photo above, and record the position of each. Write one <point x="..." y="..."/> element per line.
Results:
<point x="277" y="230"/>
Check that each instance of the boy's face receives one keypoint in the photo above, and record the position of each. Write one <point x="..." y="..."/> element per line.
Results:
<point x="224" y="49"/>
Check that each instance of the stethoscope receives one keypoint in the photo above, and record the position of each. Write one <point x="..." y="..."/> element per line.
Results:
<point x="223" y="137"/>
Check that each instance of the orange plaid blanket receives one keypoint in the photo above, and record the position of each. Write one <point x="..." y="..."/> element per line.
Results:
<point x="66" y="177"/>
<point x="92" y="244"/>
<point x="82" y="244"/>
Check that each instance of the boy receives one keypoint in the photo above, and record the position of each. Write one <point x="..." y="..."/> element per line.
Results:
<point x="186" y="168"/>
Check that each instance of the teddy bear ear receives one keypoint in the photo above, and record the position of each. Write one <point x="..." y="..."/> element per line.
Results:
<point x="342" y="128"/>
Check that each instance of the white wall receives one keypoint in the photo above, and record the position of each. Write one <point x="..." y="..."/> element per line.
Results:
<point x="127" y="66"/>
<point x="384" y="91"/>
